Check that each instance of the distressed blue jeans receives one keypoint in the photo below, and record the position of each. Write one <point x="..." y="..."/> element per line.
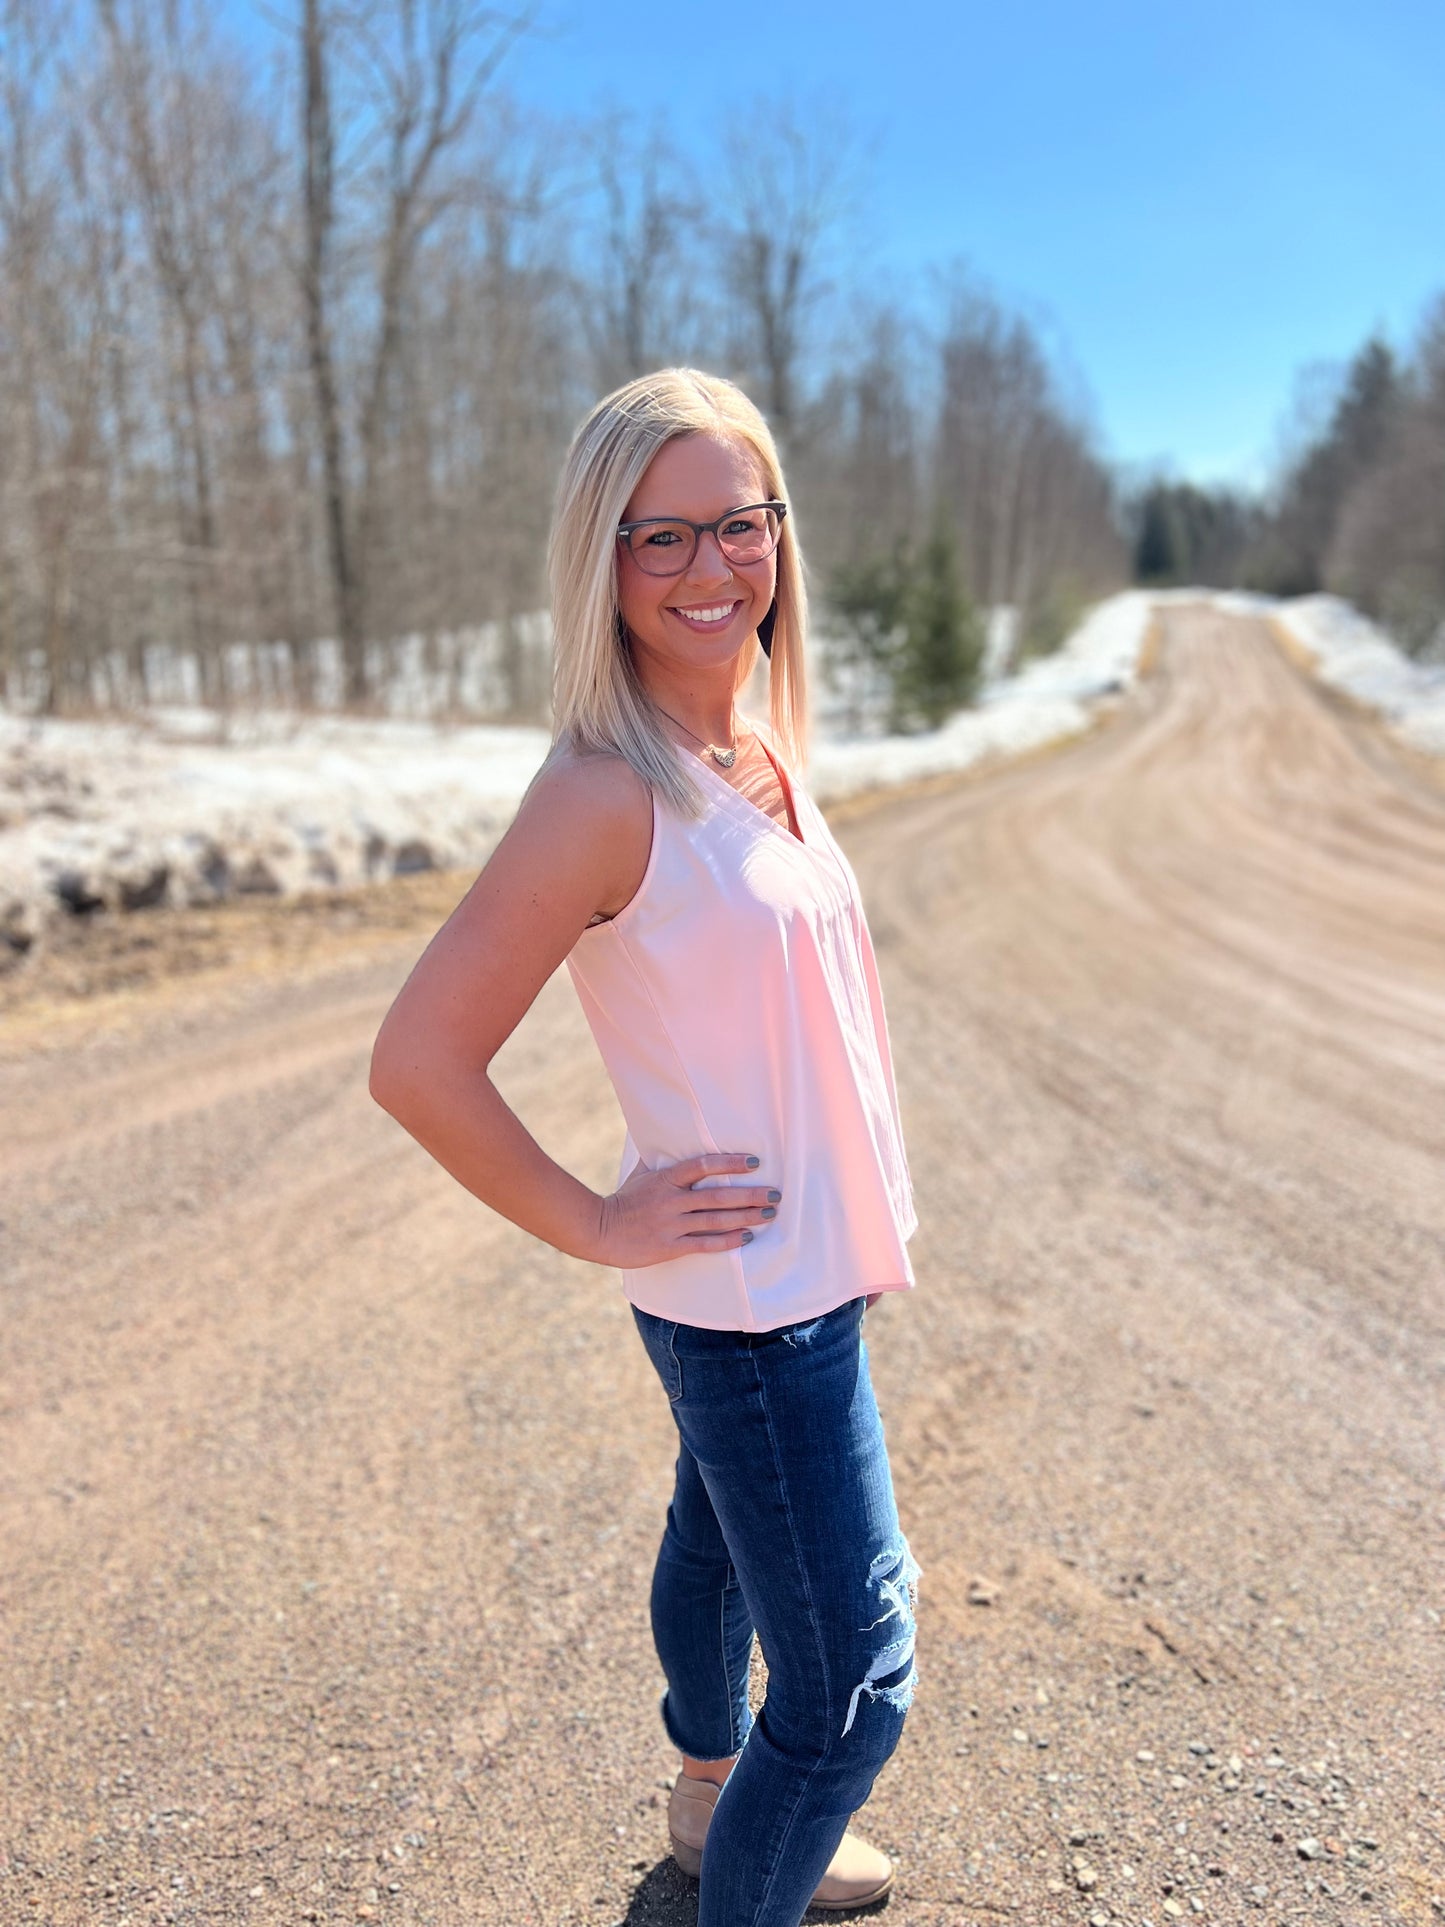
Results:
<point x="783" y="1520"/>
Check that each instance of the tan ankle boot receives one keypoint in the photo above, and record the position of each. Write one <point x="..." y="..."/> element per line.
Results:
<point x="857" y="1873"/>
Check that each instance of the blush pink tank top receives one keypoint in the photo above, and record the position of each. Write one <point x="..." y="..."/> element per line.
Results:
<point x="736" y="1004"/>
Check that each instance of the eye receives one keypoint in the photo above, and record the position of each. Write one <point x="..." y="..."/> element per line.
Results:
<point x="661" y="539"/>
<point x="743" y="524"/>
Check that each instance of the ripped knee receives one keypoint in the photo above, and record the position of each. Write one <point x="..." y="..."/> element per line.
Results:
<point x="892" y="1672"/>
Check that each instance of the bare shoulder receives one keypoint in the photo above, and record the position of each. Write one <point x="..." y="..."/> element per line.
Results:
<point x="591" y="797"/>
<point x="594" y="804"/>
<point x="577" y="848"/>
<point x="598" y="781"/>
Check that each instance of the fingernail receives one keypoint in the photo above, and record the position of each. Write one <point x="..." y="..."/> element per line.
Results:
<point x="775" y="1197"/>
<point x="753" y="1163"/>
<point x="768" y="1211"/>
<point x="747" y="1237"/>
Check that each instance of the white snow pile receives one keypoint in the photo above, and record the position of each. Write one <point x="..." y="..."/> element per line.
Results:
<point x="174" y="810"/>
<point x="1357" y="656"/>
<point x="124" y="815"/>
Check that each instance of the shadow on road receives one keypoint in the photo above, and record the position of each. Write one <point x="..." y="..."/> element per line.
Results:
<point x="665" y="1897"/>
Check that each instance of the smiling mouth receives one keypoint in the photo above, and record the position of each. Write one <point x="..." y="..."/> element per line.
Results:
<point x="710" y="613"/>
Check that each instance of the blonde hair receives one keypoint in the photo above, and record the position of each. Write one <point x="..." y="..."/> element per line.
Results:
<point x="598" y="700"/>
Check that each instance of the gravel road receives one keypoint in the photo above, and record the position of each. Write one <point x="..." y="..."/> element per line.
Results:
<point x="329" y="1500"/>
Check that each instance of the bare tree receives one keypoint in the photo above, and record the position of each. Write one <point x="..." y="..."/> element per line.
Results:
<point x="640" y="293"/>
<point x="27" y="220"/>
<point x="1013" y="472"/>
<point x="788" y="192"/>
<point x="53" y="320"/>
<point x="202" y="176"/>
<point x="994" y="406"/>
<point x="422" y="67"/>
<point x="860" y="469"/>
<point x="294" y="350"/>
<point x="319" y="203"/>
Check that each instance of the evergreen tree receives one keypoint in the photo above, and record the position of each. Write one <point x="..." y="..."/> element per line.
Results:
<point x="941" y="654"/>
<point x="1188" y="535"/>
<point x="867" y="600"/>
<point x="1290" y="558"/>
<point x="1155" y="559"/>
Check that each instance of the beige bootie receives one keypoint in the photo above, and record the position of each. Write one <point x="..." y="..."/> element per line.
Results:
<point x="857" y="1873"/>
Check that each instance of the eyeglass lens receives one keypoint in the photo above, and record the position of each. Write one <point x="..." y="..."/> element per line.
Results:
<point x="667" y="548"/>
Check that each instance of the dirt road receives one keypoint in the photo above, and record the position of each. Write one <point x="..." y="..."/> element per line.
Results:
<point x="329" y="1500"/>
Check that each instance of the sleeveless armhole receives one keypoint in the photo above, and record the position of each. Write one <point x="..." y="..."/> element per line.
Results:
<point x="612" y="922"/>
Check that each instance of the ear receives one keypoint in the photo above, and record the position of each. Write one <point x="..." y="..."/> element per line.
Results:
<point x="765" y="629"/>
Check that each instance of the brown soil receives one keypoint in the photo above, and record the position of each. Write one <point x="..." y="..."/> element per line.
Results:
<point x="329" y="1499"/>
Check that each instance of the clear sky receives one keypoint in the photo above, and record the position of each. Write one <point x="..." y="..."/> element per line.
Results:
<point x="1196" y="200"/>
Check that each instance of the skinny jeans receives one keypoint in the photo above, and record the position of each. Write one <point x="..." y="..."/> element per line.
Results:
<point x="783" y="1520"/>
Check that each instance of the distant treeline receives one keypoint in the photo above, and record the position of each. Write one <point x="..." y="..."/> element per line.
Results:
<point x="1359" y="509"/>
<point x="293" y="331"/>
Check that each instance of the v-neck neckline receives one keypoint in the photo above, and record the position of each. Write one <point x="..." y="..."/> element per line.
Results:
<point x="790" y="796"/>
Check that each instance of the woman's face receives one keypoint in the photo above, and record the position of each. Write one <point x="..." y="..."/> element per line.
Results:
<point x="704" y="615"/>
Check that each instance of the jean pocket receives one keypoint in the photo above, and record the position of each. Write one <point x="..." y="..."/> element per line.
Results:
<point x="657" y="1336"/>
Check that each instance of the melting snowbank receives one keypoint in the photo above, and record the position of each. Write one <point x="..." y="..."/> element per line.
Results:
<point x="127" y="815"/>
<point x="122" y="815"/>
<point x="1355" y="655"/>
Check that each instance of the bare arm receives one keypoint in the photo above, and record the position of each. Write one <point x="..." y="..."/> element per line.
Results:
<point x="579" y="844"/>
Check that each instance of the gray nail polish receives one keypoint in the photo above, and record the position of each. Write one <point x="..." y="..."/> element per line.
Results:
<point x="747" y="1237"/>
<point x="768" y="1211"/>
<point x="775" y="1197"/>
<point x="753" y="1163"/>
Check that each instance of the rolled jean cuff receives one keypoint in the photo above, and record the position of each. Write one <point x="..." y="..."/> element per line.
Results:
<point x="698" y="1746"/>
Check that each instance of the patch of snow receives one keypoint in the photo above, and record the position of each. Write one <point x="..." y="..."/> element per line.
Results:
<point x="115" y="815"/>
<point x="1356" y="655"/>
<point x="1000" y="634"/>
<point x="186" y="806"/>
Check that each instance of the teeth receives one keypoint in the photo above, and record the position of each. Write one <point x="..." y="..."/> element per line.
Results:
<point x="708" y="615"/>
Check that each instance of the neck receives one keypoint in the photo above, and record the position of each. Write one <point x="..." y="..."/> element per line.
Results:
<point x="701" y="703"/>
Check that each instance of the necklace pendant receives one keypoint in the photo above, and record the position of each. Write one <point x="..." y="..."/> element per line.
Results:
<point x="727" y="757"/>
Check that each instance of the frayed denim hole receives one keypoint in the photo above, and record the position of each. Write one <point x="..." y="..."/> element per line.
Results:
<point x="899" y="1595"/>
<point x="803" y="1334"/>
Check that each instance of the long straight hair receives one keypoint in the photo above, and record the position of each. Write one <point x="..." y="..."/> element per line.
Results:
<point x="598" y="700"/>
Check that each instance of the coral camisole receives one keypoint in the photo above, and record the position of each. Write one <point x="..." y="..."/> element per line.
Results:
<point x="736" y="1003"/>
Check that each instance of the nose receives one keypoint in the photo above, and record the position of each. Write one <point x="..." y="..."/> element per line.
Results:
<point x="709" y="564"/>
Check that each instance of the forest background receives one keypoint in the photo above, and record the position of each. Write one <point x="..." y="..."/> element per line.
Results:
<point x="290" y="348"/>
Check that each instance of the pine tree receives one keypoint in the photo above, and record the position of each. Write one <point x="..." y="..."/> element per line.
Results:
<point x="941" y="656"/>
<point x="1292" y="555"/>
<point x="867" y="599"/>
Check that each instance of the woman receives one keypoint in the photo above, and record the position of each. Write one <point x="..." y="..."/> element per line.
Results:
<point x="668" y="853"/>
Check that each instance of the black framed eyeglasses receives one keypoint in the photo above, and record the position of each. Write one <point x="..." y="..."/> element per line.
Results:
<point x="666" y="544"/>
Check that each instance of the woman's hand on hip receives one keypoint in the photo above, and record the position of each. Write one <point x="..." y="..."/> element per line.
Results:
<point x="656" y="1215"/>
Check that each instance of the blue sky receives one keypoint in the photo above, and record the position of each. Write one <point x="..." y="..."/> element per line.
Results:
<point x="1196" y="201"/>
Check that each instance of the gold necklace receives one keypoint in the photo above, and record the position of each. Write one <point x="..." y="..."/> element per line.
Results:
<point x="720" y="753"/>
